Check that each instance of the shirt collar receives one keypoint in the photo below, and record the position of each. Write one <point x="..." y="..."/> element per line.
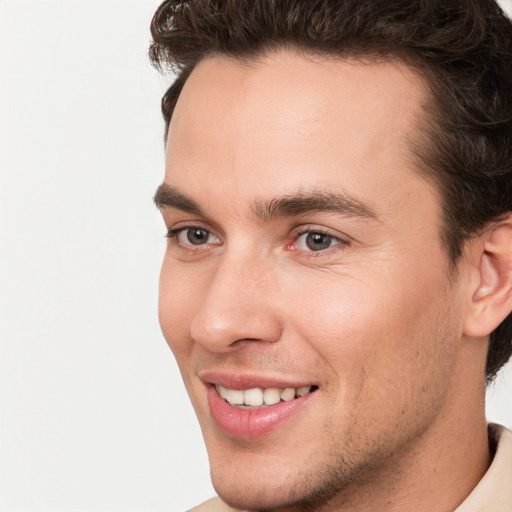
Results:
<point x="494" y="491"/>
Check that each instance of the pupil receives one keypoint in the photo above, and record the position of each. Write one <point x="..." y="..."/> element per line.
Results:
<point x="197" y="236"/>
<point x="318" y="241"/>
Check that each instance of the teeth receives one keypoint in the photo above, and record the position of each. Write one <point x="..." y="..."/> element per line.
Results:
<point x="256" y="397"/>
<point x="234" y="396"/>
<point x="253" y="397"/>
<point x="223" y="392"/>
<point x="288" y="394"/>
<point x="303" y="391"/>
<point x="271" y="396"/>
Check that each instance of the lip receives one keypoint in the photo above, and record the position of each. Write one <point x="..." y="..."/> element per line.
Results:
<point x="235" y="381"/>
<point x="252" y="423"/>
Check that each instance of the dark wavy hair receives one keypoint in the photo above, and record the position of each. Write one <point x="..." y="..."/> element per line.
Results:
<point x="462" y="49"/>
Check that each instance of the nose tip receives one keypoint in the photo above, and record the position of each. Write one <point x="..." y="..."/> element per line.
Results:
<point x="235" y="310"/>
<point x="220" y="329"/>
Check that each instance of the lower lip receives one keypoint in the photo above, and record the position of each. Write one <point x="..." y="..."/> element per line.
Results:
<point x="251" y="423"/>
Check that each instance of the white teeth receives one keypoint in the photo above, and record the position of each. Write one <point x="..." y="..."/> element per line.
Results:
<point x="303" y="390"/>
<point x="256" y="397"/>
<point x="288" y="394"/>
<point x="234" y="396"/>
<point x="253" y="397"/>
<point x="222" y="392"/>
<point x="271" y="396"/>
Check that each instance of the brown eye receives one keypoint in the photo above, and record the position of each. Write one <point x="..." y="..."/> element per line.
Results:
<point x="197" y="236"/>
<point x="318" y="241"/>
<point x="193" y="235"/>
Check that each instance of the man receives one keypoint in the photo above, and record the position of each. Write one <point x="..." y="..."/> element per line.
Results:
<point x="337" y="285"/>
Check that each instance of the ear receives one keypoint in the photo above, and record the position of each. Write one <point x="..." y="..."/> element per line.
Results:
<point x="491" y="299"/>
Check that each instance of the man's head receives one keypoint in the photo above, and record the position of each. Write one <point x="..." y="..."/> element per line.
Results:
<point x="337" y="187"/>
<point x="462" y="49"/>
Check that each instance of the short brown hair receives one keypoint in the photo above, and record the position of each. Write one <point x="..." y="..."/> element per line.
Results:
<point x="462" y="48"/>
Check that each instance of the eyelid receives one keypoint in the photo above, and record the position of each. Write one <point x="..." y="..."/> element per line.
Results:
<point x="342" y="240"/>
<point x="175" y="231"/>
<point x="190" y="224"/>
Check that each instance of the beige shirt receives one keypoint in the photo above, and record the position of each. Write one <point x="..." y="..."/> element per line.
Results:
<point x="492" y="494"/>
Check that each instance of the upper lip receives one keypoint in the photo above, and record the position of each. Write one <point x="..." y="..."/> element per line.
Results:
<point x="249" y="381"/>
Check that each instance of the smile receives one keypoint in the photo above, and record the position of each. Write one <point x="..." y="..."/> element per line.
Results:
<point x="248" y="411"/>
<point x="261" y="397"/>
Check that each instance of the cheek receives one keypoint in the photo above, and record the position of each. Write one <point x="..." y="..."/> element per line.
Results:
<point x="345" y="318"/>
<point x="176" y="305"/>
<point x="390" y="361"/>
<point x="387" y="340"/>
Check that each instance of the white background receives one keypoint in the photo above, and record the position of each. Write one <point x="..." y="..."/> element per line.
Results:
<point x="93" y="412"/>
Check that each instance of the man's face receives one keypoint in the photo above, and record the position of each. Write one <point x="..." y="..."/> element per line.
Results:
<point x="305" y="253"/>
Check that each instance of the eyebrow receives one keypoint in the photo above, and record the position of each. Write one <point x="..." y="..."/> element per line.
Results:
<point x="300" y="203"/>
<point x="168" y="197"/>
<point x="314" y="201"/>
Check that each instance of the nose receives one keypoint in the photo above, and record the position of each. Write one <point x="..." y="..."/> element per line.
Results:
<point x="238" y="306"/>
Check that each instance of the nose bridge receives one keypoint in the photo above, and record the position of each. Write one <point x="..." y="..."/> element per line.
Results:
<point x="237" y="304"/>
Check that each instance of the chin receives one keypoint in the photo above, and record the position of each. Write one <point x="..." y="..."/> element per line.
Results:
<point x="249" y="479"/>
<point x="249" y="495"/>
<point x="298" y="492"/>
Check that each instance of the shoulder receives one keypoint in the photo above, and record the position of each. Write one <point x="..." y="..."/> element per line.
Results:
<point x="213" y="505"/>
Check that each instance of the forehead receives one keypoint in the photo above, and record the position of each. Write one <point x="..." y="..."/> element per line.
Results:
<point x="289" y="117"/>
<point x="298" y="83"/>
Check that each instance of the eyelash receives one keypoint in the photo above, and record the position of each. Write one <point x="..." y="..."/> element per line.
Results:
<point x="174" y="233"/>
<point x="339" y="242"/>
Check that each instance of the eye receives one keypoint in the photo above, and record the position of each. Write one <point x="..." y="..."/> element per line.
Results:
<point x="193" y="236"/>
<point x="316" y="241"/>
<point x="196" y="236"/>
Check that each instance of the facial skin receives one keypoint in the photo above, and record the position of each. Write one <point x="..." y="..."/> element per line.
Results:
<point x="368" y="312"/>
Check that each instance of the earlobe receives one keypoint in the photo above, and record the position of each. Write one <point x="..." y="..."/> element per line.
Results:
<point x="492" y="296"/>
